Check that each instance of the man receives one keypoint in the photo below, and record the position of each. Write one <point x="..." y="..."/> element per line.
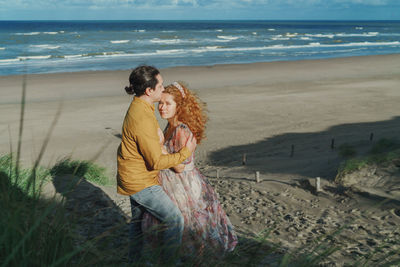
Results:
<point x="140" y="159"/>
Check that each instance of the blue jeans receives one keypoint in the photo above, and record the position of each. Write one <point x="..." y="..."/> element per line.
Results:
<point x="154" y="200"/>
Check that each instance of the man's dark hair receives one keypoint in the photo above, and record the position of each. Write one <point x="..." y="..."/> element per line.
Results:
<point x="141" y="78"/>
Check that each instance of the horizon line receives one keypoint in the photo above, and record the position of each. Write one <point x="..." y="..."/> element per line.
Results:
<point x="327" y="20"/>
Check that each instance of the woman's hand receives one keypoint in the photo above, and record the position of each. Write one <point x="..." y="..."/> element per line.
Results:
<point x="163" y="150"/>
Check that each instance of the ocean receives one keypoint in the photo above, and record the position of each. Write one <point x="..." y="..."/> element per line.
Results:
<point x="70" y="46"/>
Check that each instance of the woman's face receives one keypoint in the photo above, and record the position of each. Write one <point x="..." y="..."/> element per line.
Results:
<point x="167" y="106"/>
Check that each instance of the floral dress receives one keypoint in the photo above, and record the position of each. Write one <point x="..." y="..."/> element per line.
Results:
<point x="206" y="224"/>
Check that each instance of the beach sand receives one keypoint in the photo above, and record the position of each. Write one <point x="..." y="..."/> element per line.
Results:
<point x="261" y="109"/>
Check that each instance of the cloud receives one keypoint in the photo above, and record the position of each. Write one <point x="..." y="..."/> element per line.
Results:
<point x="170" y="4"/>
<point x="365" y="2"/>
<point x="318" y="2"/>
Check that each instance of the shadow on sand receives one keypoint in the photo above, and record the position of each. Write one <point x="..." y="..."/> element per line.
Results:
<point x="309" y="154"/>
<point x="96" y="217"/>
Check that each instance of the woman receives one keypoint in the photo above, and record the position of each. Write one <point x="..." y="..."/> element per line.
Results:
<point x="206" y="224"/>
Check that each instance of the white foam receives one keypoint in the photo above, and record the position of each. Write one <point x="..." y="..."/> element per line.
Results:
<point x="291" y="34"/>
<point x="370" y="44"/>
<point x="310" y="45"/>
<point x="34" y="57"/>
<point x="45" y="46"/>
<point x="279" y="37"/>
<point x="2" y="48"/>
<point x="27" y="33"/>
<point x="278" y="48"/>
<point x="355" y="44"/>
<point x="139" y="30"/>
<point x="227" y="37"/>
<point x="271" y="30"/>
<point x="103" y="55"/>
<point x="320" y="35"/>
<point x="5" y="61"/>
<point x="120" y="41"/>
<point x="170" y="51"/>
<point x="165" y="41"/>
<point x="96" y="54"/>
<point x="72" y="56"/>
<point x="205" y="49"/>
<point x="113" y="53"/>
<point x="365" y="34"/>
<point x="327" y="51"/>
<point x="219" y="30"/>
<point x="254" y="33"/>
<point x="37" y="33"/>
<point x="359" y="28"/>
<point x="305" y="38"/>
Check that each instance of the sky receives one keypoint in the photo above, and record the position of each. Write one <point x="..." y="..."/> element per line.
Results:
<point x="199" y="9"/>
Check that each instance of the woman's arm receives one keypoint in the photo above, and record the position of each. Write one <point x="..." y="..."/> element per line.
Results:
<point x="182" y="135"/>
<point x="178" y="168"/>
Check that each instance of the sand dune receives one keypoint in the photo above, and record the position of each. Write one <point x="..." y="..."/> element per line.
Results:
<point x="260" y="109"/>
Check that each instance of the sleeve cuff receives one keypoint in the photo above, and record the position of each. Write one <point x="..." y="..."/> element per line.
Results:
<point x="185" y="152"/>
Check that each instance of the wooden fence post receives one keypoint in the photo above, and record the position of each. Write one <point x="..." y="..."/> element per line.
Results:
<point x="318" y="184"/>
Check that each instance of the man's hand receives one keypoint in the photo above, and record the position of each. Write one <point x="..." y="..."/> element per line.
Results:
<point x="179" y="168"/>
<point x="191" y="143"/>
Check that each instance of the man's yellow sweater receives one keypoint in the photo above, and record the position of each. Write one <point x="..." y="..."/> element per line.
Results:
<point x="139" y="155"/>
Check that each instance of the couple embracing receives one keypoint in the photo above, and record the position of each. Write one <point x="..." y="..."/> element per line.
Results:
<point x="156" y="170"/>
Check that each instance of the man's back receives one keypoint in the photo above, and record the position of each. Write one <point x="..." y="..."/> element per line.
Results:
<point x="133" y="173"/>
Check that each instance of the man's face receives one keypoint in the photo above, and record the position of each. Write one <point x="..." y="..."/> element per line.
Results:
<point x="156" y="93"/>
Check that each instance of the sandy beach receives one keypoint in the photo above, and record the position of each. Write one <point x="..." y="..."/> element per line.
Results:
<point x="262" y="109"/>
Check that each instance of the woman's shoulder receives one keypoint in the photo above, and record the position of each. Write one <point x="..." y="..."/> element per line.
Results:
<point x="183" y="127"/>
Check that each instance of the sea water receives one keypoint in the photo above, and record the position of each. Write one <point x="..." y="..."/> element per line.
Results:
<point x="69" y="46"/>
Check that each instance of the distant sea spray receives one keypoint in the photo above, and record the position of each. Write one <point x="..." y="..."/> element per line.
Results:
<point x="67" y="46"/>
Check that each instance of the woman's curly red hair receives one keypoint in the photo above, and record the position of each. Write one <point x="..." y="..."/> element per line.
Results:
<point x="190" y="110"/>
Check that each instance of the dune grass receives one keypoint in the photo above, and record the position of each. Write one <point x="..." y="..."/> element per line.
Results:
<point x="23" y="178"/>
<point x="383" y="152"/>
<point x="347" y="151"/>
<point x="33" y="231"/>
<point x="81" y="168"/>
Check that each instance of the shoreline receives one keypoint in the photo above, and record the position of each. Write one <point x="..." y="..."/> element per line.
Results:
<point x="198" y="66"/>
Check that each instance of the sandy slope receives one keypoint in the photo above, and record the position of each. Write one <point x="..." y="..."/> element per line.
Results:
<point x="259" y="109"/>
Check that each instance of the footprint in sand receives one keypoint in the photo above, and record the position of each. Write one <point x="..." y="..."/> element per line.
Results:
<point x="114" y="132"/>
